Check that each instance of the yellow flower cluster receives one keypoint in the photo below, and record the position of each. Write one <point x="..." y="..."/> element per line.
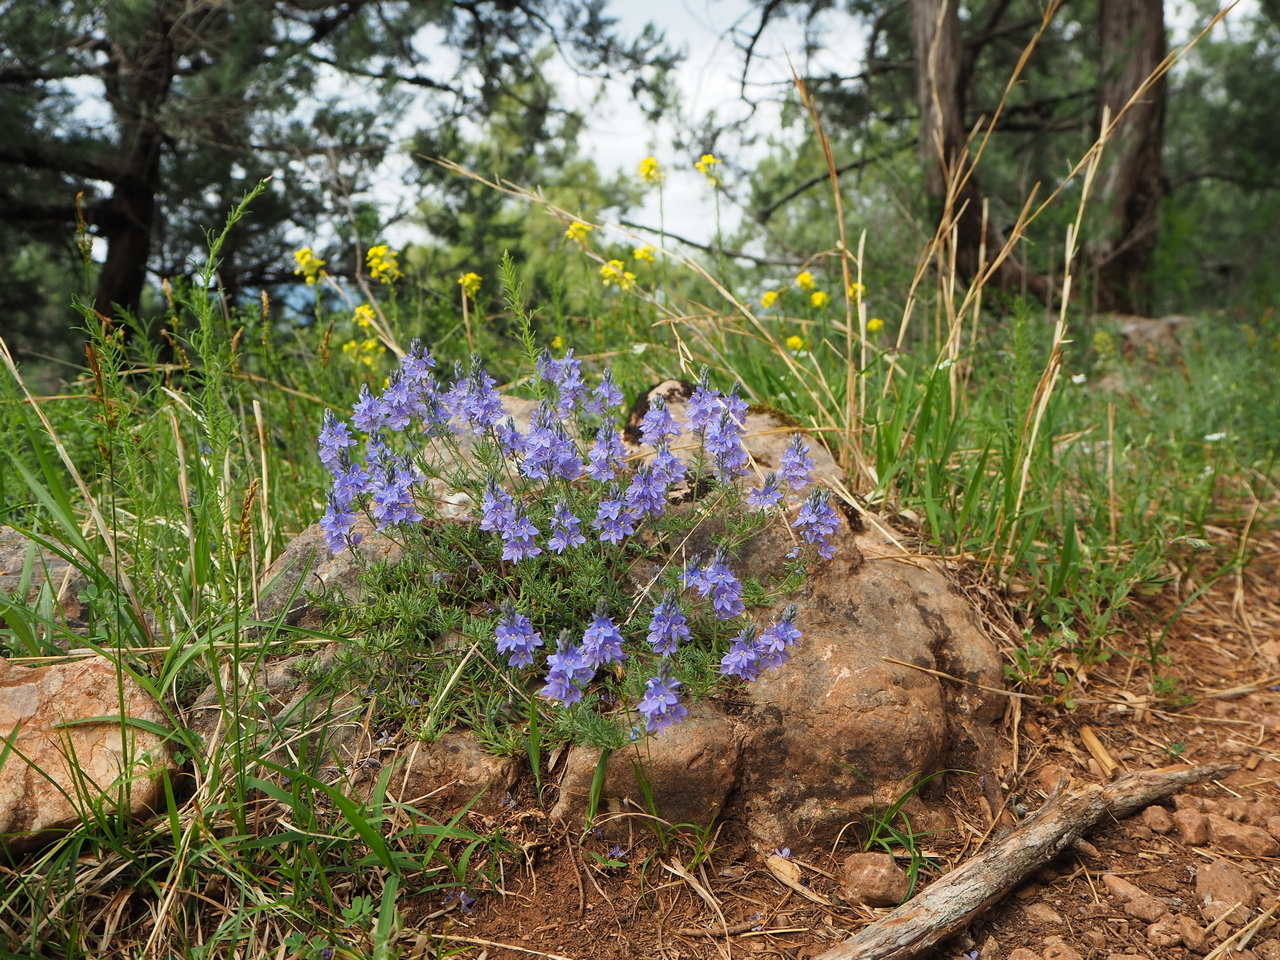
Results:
<point x="651" y="171"/>
<point x="819" y="298"/>
<point x="557" y="342"/>
<point x="768" y="298"/>
<point x="615" y="274"/>
<point x="874" y="324"/>
<point x="577" y="232"/>
<point x="706" y="165"/>
<point x="470" y="283"/>
<point x="856" y="290"/>
<point x="364" y="316"/>
<point x="804" y="280"/>
<point x="363" y="351"/>
<point x="309" y="266"/>
<point x="795" y="343"/>
<point x="383" y="265"/>
<point x="645" y="253"/>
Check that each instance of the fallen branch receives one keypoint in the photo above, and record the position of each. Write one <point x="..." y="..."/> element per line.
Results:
<point x="949" y="905"/>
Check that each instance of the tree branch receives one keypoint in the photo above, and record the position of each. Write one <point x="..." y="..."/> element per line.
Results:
<point x="763" y="215"/>
<point x="706" y="248"/>
<point x="60" y="158"/>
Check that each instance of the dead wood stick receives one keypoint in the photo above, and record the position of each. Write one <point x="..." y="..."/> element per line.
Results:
<point x="950" y="904"/>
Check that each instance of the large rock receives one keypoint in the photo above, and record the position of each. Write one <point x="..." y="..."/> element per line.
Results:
<point x="59" y="767"/>
<point x="24" y="560"/>
<point x="689" y="768"/>
<point x="441" y="775"/>
<point x="848" y="723"/>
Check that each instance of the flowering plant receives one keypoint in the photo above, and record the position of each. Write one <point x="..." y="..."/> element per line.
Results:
<point x="570" y="561"/>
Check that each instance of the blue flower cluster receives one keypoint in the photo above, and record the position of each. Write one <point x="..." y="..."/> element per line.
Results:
<point x="562" y="485"/>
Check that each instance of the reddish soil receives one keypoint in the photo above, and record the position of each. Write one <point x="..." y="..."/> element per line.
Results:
<point x="558" y="900"/>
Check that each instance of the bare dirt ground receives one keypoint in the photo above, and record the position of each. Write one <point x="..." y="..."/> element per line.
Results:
<point x="1135" y="889"/>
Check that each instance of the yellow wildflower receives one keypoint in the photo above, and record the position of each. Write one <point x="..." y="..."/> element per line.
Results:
<point x="804" y="280"/>
<point x="651" y="171"/>
<point x="819" y="298"/>
<point x="706" y="165"/>
<point x="308" y="266"/>
<point x="363" y="351"/>
<point x="470" y="283"/>
<point x="768" y="298"/>
<point x="364" y="316"/>
<point x="645" y="253"/>
<point x="795" y="343"/>
<point x="383" y="265"/>
<point x="874" y="324"/>
<point x="577" y="231"/>
<point x="856" y="290"/>
<point x="615" y="274"/>
<point x="1104" y="344"/>
<point x="557" y="342"/>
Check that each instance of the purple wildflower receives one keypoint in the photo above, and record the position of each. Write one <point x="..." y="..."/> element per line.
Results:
<point x="602" y="641"/>
<point x="367" y="414"/>
<point x="417" y="363"/>
<point x="497" y="509"/>
<point x="668" y="626"/>
<point x="509" y="438"/>
<point x="736" y="406"/>
<point x="567" y="673"/>
<point x="718" y="582"/>
<point x="796" y="463"/>
<point x="658" y="424"/>
<point x="614" y="520"/>
<point x="743" y="658"/>
<point x="647" y="493"/>
<point x="705" y="405"/>
<point x="334" y="438"/>
<point x="817" y="521"/>
<point x="518" y="538"/>
<point x="661" y="706"/>
<point x="668" y="466"/>
<point x="548" y="449"/>
<point x="516" y="638"/>
<point x="337" y="524"/>
<point x="605" y="395"/>
<point x="566" y="374"/>
<point x="766" y="495"/>
<point x="392" y="500"/>
<point x="605" y="454"/>
<point x="399" y="403"/>
<point x="475" y="400"/>
<point x="724" y="442"/>
<point x="565" y="529"/>
<point x="777" y="638"/>
<point x="348" y="483"/>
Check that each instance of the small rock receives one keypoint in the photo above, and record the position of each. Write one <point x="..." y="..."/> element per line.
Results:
<point x="1042" y="913"/>
<point x="447" y="774"/>
<point x="1094" y="938"/>
<point x="1122" y="889"/>
<point x="1135" y="901"/>
<point x="1022" y="953"/>
<point x="1157" y="820"/>
<point x="1186" y="801"/>
<point x="1268" y="950"/>
<point x="1164" y="933"/>
<point x="1052" y="776"/>
<point x="1242" y="837"/>
<point x="42" y="714"/>
<point x="874" y="879"/>
<point x="19" y="554"/>
<point x="1056" y="949"/>
<point x="1273" y="827"/>
<point x="1193" y="826"/>
<point x="990" y="949"/>
<point x="1219" y="886"/>
<point x="1193" y="935"/>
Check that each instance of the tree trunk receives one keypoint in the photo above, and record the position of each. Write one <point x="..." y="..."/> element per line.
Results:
<point x="137" y="80"/>
<point x="1132" y="41"/>
<point x="940" y="94"/>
